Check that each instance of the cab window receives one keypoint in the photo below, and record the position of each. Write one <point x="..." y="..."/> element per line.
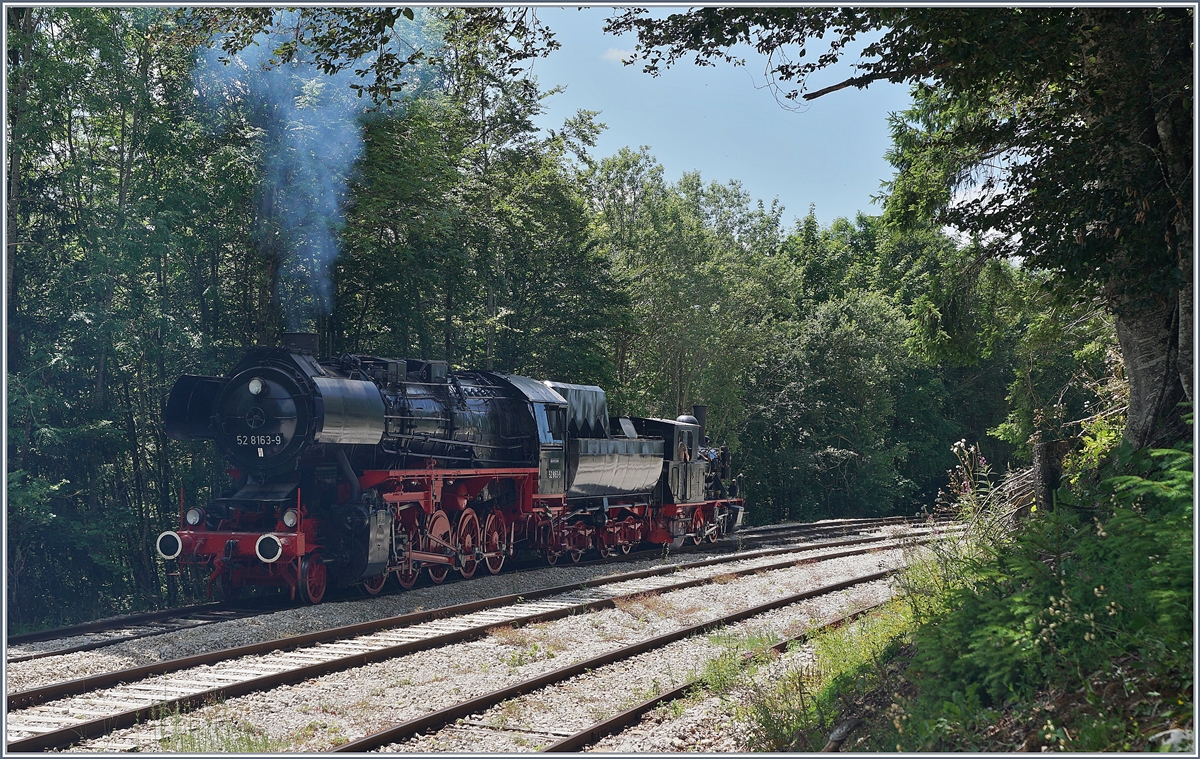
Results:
<point x="557" y="416"/>
<point x="550" y="423"/>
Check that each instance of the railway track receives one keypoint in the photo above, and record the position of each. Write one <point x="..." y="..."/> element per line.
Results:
<point x="612" y="725"/>
<point x="109" y="632"/>
<point x="474" y="707"/>
<point x="823" y="524"/>
<point x="92" y="635"/>
<point x="59" y="715"/>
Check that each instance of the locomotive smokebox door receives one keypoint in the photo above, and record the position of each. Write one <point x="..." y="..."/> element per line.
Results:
<point x="189" y="409"/>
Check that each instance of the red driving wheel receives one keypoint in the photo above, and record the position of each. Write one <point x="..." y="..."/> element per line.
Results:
<point x="468" y="541"/>
<point x="437" y="540"/>
<point x="372" y="585"/>
<point x="313" y="579"/>
<point x="493" y="541"/>
<point x="698" y="526"/>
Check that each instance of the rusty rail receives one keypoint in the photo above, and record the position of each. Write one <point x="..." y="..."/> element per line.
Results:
<point x="101" y="726"/>
<point x="465" y="708"/>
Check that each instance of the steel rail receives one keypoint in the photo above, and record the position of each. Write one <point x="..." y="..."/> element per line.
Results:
<point x="131" y="620"/>
<point x="22" y="699"/>
<point x="825" y="524"/>
<point x="768" y="532"/>
<point x="479" y="703"/>
<point x="620" y="721"/>
<point x="166" y="625"/>
<point x="68" y="735"/>
<point x="110" y="623"/>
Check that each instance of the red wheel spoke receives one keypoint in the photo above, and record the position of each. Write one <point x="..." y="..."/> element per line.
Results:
<point x="313" y="578"/>
<point x="372" y="585"/>
<point x="493" y="541"/>
<point x="437" y="537"/>
<point x="468" y="541"/>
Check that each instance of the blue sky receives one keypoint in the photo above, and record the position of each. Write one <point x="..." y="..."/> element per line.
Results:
<point x="722" y="121"/>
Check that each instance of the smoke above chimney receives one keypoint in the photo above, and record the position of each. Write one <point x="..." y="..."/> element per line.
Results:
<point x="307" y="125"/>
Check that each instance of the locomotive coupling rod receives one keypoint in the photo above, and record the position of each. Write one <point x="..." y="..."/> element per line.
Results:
<point x="480" y="703"/>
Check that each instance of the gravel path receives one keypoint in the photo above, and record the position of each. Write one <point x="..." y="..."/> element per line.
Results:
<point x="330" y="710"/>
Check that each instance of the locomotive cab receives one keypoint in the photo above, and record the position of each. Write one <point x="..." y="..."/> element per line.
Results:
<point x="682" y="475"/>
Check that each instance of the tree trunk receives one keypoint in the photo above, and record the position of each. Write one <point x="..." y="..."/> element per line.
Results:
<point x="1172" y="122"/>
<point x="1186" y="334"/>
<point x="1149" y="341"/>
<point x="1047" y="470"/>
<point x="19" y="80"/>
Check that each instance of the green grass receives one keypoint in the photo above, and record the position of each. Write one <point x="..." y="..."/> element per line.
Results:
<point x="214" y="736"/>
<point x="795" y="710"/>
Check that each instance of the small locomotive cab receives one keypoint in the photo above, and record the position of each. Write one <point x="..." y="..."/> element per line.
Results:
<point x="356" y="468"/>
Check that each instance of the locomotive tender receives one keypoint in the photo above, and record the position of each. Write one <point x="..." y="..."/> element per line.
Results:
<point x="351" y="469"/>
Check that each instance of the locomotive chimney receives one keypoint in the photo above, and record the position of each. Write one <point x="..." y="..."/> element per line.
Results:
<point x="701" y="414"/>
<point x="300" y="342"/>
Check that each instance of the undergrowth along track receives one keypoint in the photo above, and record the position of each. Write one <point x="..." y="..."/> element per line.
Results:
<point x="618" y="722"/>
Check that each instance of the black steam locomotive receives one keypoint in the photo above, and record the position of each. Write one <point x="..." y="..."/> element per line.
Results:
<point x="352" y="469"/>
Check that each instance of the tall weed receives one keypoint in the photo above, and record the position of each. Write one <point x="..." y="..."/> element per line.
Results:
<point x="1076" y="595"/>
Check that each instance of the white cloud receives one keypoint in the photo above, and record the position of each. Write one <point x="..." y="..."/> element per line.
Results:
<point x="617" y="55"/>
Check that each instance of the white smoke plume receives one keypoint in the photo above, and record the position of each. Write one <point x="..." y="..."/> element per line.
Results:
<point x="308" y="126"/>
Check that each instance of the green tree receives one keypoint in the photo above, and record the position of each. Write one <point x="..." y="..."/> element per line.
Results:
<point x="468" y="234"/>
<point x="698" y="260"/>
<point x="104" y="268"/>
<point x="1060" y="135"/>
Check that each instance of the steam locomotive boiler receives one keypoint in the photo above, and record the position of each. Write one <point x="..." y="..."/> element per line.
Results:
<point x="352" y="469"/>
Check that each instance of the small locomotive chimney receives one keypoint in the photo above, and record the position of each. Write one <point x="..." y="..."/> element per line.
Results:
<point x="300" y="342"/>
<point x="701" y="414"/>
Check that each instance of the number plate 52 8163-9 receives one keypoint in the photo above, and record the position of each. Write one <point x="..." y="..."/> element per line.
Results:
<point x="253" y="440"/>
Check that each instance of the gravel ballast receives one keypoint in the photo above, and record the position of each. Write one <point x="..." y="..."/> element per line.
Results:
<point x="330" y="710"/>
<point x="36" y="673"/>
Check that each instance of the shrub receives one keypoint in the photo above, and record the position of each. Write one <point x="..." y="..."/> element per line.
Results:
<point x="1096" y="589"/>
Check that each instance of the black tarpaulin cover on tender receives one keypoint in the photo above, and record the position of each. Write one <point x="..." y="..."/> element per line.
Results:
<point x="587" y="408"/>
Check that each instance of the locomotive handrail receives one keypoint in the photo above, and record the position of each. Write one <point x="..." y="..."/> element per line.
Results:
<point x="451" y="441"/>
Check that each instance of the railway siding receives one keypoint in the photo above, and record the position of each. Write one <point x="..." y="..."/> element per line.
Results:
<point x="109" y="632"/>
<point x="40" y="726"/>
